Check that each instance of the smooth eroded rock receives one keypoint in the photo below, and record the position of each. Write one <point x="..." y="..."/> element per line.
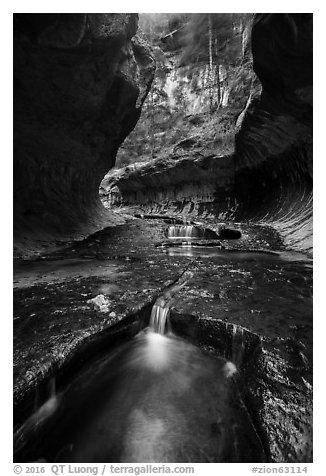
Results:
<point x="79" y="83"/>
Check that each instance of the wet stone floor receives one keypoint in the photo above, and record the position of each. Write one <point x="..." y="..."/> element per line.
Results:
<point x="64" y="299"/>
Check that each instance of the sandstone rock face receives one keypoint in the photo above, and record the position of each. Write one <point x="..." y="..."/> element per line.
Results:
<point x="274" y="146"/>
<point x="79" y="83"/>
<point x="269" y="177"/>
<point x="187" y="185"/>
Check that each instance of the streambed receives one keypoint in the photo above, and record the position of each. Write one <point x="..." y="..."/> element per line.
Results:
<point x="270" y="295"/>
<point x="156" y="398"/>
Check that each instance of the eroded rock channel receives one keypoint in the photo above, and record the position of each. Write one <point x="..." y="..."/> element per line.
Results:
<point x="239" y="305"/>
<point x="174" y="325"/>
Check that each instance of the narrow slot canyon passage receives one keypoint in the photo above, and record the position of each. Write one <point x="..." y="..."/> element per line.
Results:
<point x="163" y="238"/>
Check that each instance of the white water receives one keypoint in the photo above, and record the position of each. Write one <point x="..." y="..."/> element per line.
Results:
<point x="181" y="231"/>
<point x="156" y="398"/>
<point x="165" y="398"/>
<point x="159" y="320"/>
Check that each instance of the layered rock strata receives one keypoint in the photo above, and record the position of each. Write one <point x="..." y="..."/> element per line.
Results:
<point x="269" y="177"/>
<point x="273" y="180"/>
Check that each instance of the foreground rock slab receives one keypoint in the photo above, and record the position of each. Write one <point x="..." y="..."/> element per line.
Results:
<point x="242" y="304"/>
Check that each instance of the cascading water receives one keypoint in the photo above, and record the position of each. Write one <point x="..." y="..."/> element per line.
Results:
<point x="38" y="418"/>
<point x="182" y="231"/>
<point x="238" y="346"/>
<point x="159" y="320"/>
<point x="157" y="399"/>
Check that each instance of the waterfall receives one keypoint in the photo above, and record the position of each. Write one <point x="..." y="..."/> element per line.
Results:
<point x="159" y="320"/>
<point x="238" y="344"/>
<point x="181" y="231"/>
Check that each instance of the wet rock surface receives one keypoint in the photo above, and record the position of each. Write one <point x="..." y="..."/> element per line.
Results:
<point x="250" y="303"/>
<point x="268" y="179"/>
<point x="181" y="406"/>
<point x="246" y="305"/>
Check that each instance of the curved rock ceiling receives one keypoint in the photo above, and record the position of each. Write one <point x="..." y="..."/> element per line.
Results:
<point x="79" y="83"/>
<point x="269" y="177"/>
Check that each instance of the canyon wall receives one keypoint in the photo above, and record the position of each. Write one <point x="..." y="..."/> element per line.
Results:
<point x="187" y="185"/>
<point x="79" y="84"/>
<point x="273" y="180"/>
<point x="268" y="179"/>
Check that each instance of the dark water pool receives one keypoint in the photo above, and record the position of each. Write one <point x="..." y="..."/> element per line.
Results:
<point x="155" y="399"/>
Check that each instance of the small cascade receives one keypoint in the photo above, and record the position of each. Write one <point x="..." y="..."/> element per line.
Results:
<point x="52" y="388"/>
<point x="189" y="231"/>
<point x="39" y="417"/>
<point x="182" y="231"/>
<point x="238" y="345"/>
<point x="159" y="320"/>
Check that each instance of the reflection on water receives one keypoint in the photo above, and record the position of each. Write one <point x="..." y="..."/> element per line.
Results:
<point x="156" y="399"/>
<point x="31" y="273"/>
<point x="187" y="249"/>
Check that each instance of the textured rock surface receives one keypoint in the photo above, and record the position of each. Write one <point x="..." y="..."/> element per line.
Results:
<point x="269" y="177"/>
<point x="235" y="304"/>
<point x="79" y="83"/>
<point x="274" y="146"/>
<point x="186" y="185"/>
<point x="57" y="325"/>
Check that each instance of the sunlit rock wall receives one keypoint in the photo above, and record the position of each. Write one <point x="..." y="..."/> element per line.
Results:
<point x="187" y="185"/>
<point x="269" y="178"/>
<point x="79" y="84"/>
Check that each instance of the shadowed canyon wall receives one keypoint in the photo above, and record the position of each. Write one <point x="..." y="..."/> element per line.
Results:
<point x="269" y="177"/>
<point x="79" y="84"/>
<point x="274" y="146"/>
